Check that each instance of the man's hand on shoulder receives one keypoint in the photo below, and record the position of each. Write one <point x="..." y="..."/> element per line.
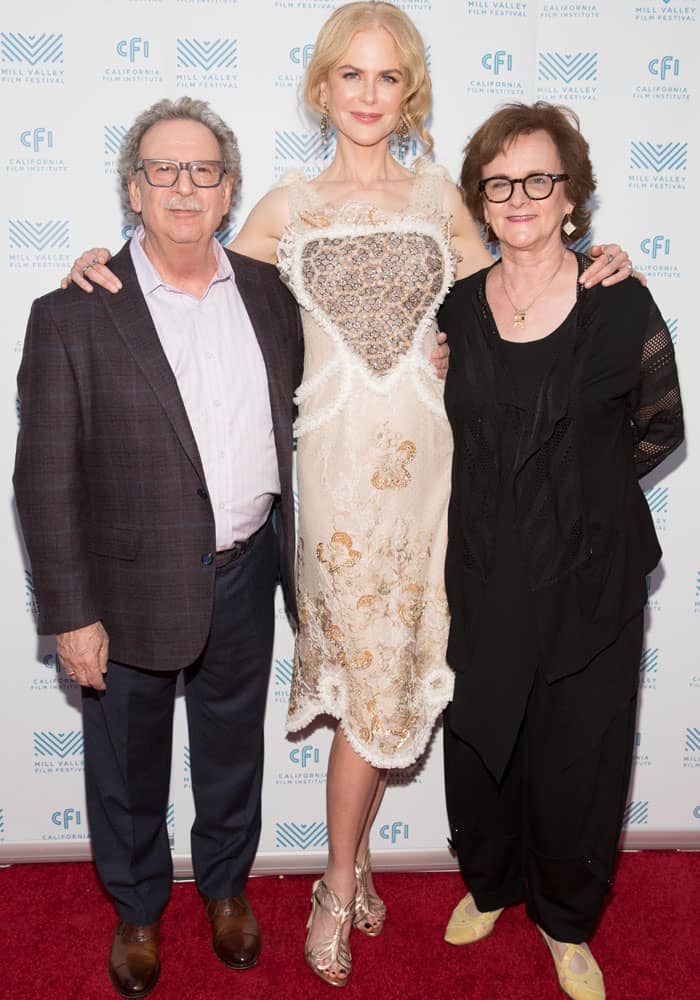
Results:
<point x="83" y="654"/>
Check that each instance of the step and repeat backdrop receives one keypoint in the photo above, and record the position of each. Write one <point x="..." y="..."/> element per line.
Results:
<point x="72" y="78"/>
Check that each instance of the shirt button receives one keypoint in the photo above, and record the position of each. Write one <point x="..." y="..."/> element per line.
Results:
<point x="207" y="559"/>
<point x="202" y="493"/>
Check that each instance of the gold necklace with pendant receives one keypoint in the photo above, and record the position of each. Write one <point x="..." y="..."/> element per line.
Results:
<point x="520" y="315"/>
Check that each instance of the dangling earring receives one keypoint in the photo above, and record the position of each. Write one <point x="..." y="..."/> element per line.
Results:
<point x="403" y="136"/>
<point x="568" y="225"/>
<point x="325" y="125"/>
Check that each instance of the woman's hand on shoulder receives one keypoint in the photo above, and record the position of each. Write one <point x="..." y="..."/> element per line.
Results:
<point x="91" y="264"/>
<point x="261" y="232"/>
<point x="467" y="243"/>
<point x="611" y="264"/>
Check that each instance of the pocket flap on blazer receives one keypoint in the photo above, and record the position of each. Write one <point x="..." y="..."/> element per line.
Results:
<point x="116" y="543"/>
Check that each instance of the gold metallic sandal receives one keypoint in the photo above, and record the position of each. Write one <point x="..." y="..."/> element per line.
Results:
<point x="370" y="911"/>
<point x="586" y="985"/>
<point x="331" y="951"/>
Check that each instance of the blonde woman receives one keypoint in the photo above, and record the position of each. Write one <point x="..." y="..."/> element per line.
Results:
<point x="369" y="248"/>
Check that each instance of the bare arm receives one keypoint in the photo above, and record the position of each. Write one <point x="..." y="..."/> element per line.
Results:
<point x="467" y="243"/>
<point x="263" y="228"/>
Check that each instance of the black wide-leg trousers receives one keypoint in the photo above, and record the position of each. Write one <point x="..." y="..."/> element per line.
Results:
<point x="548" y="832"/>
<point x="128" y="737"/>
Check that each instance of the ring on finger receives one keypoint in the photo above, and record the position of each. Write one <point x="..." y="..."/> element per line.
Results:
<point x="610" y="257"/>
<point x="85" y="267"/>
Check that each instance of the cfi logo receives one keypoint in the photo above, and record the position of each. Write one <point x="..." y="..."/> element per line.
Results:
<point x="61" y="745"/>
<point x="34" y="139"/>
<point x="67" y="818"/>
<point x="636" y="814"/>
<point x="113" y="136"/>
<point x="568" y="67"/>
<point x="196" y="53"/>
<point x="659" y="157"/>
<point x="305" y="756"/>
<point x="394" y="831"/>
<point x="664" y="67"/>
<point x="696" y="812"/>
<point x="301" y="835"/>
<point x="301" y="55"/>
<point x="30" y="49"/>
<point x="131" y="48"/>
<point x="51" y="235"/>
<point x="496" y="61"/>
<point x="656" y="246"/>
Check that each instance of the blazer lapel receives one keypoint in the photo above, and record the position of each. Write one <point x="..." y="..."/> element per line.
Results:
<point x="265" y="324"/>
<point x="130" y="315"/>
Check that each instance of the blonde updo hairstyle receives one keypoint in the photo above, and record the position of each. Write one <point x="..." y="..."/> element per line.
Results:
<point x="335" y="37"/>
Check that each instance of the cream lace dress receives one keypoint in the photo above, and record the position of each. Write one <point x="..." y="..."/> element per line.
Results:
<point x="373" y="465"/>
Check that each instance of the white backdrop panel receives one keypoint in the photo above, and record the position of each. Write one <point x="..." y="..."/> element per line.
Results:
<point x="73" y="76"/>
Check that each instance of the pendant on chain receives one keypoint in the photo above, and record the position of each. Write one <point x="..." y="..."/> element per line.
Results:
<point x="519" y="319"/>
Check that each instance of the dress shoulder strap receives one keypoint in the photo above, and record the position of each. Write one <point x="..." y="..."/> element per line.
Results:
<point x="301" y="195"/>
<point x="429" y="191"/>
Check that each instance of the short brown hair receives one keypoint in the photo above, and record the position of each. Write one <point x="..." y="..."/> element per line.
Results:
<point x="513" y="120"/>
<point x="335" y="37"/>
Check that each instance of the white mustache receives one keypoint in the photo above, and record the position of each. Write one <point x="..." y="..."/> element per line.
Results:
<point x="184" y="204"/>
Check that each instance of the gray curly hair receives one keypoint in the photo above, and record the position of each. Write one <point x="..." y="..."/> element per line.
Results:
<point x="189" y="109"/>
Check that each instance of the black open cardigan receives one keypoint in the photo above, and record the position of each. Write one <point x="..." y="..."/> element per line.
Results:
<point x="607" y="413"/>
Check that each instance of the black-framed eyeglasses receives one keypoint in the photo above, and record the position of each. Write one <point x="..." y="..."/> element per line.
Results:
<point x="536" y="186"/>
<point x="165" y="173"/>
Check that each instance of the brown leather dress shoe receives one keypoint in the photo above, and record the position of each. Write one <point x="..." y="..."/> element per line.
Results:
<point x="235" y="932"/>
<point x="134" y="965"/>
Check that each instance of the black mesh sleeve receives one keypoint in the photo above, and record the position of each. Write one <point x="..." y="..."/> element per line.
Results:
<point x="658" y="416"/>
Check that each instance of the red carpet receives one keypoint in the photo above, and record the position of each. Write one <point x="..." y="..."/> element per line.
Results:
<point x="57" y="927"/>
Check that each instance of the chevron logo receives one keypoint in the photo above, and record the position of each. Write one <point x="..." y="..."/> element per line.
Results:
<point x="186" y="757"/>
<point x="62" y="745"/>
<point x="226" y="235"/>
<point x="31" y="49"/>
<point x="649" y="662"/>
<point x="692" y="740"/>
<point x="2" y="820"/>
<point x="302" y="835"/>
<point x="193" y="53"/>
<point x="582" y="66"/>
<point x="636" y="813"/>
<point x="51" y="235"/>
<point x="295" y="495"/>
<point x="657" y="498"/>
<point x="170" y="815"/>
<point x="302" y="147"/>
<point x="672" y="325"/>
<point x="113" y="135"/>
<point x="697" y="585"/>
<point x="28" y="584"/>
<point x="284" y="670"/>
<point x="659" y="156"/>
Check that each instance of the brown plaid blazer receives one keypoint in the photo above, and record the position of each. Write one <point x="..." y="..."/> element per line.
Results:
<point x="109" y="483"/>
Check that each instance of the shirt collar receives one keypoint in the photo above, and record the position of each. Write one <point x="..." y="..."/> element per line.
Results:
<point x="148" y="277"/>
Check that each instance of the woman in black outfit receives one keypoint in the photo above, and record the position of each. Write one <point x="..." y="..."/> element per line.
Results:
<point x="560" y="398"/>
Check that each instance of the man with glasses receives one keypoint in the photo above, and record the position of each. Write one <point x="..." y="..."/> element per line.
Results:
<point x="155" y="444"/>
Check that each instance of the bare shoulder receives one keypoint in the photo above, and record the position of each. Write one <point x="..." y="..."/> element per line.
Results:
<point x="262" y="230"/>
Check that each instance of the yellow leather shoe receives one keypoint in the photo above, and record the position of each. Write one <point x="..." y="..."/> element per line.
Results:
<point x="586" y="985"/>
<point x="465" y="928"/>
